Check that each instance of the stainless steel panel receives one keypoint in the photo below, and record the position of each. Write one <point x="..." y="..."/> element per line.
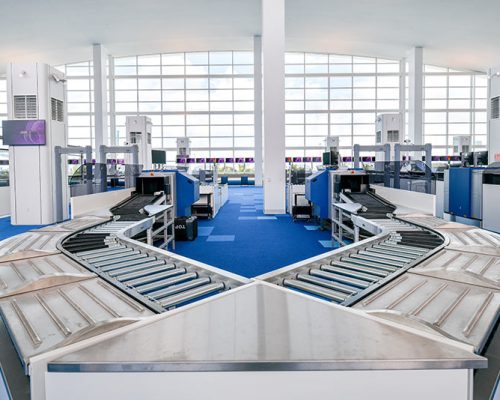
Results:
<point x="460" y="311"/>
<point x="38" y="273"/>
<point x="31" y="241"/>
<point x="44" y="319"/>
<point x="473" y="240"/>
<point x="476" y="269"/>
<point x="270" y="329"/>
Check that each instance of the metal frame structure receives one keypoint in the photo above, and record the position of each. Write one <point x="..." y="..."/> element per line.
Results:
<point x="427" y="148"/>
<point x="102" y="172"/>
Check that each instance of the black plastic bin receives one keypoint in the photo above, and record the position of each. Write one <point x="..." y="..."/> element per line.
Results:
<point x="186" y="228"/>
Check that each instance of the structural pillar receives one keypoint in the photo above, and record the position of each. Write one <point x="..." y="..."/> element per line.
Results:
<point x="415" y="95"/>
<point x="273" y="52"/>
<point x="402" y="96"/>
<point x="100" y="98"/>
<point x="494" y="115"/>
<point x="257" y="77"/>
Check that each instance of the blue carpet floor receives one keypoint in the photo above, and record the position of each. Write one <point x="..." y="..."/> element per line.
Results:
<point x="7" y="229"/>
<point x="241" y="239"/>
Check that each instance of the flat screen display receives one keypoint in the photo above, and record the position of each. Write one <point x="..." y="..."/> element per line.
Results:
<point x="158" y="156"/>
<point x="181" y="161"/>
<point x="211" y="160"/>
<point x="317" y="159"/>
<point x="191" y="160"/>
<point x="439" y="158"/>
<point x="347" y="159"/>
<point x="368" y="159"/>
<point x="297" y="159"/>
<point x="221" y="160"/>
<point x="240" y="160"/>
<point x="201" y="160"/>
<point x="230" y="160"/>
<point x="307" y="159"/>
<point x="249" y="160"/>
<point x="24" y="132"/>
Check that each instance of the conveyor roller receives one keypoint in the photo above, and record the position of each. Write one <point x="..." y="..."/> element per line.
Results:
<point x="315" y="290"/>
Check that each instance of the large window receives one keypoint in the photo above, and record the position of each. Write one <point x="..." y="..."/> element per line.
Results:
<point x="206" y="96"/>
<point x="455" y="103"/>
<point x="80" y="102"/>
<point x="336" y="95"/>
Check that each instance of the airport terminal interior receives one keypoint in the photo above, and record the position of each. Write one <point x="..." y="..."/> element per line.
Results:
<point x="249" y="199"/>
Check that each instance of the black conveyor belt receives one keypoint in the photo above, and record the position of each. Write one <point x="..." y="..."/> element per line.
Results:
<point x="376" y="207"/>
<point x="130" y="209"/>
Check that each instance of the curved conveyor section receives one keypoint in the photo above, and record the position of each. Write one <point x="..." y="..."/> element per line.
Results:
<point x="152" y="277"/>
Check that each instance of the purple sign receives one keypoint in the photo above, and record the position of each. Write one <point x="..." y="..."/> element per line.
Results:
<point x="24" y="132"/>
<point x="230" y="160"/>
<point x="347" y="159"/>
<point x="240" y="160"/>
<point x="201" y="160"/>
<point x="317" y="159"/>
<point x="297" y="159"/>
<point x="211" y="160"/>
<point x="191" y="160"/>
<point x="249" y="160"/>
<point x="367" y="159"/>
<point x="220" y="161"/>
<point x="307" y="159"/>
<point x="181" y="161"/>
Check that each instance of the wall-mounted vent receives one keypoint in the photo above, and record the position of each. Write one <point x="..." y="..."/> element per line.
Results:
<point x="57" y="110"/>
<point x="393" y="136"/>
<point x="25" y="107"/>
<point x="495" y="110"/>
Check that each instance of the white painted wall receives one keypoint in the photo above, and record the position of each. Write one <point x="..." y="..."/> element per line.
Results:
<point x="92" y="203"/>
<point x="247" y="385"/>
<point x="4" y="200"/>
<point x="423" y="202"/>
<point x="493" y="124"/>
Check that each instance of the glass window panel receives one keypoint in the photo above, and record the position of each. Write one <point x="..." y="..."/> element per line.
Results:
<point x="316" y="94"/>
<point x="294" y="105"/>
<point x="315" y="141"/>
<point x="480" y="117"/>
<point x="459" y="80"/>
<point x="221" y="95"/>
<point x="196" y="70"/>
<point x="388" y="104"/>
<point x="244" y="130"/>
<point x="363" y="68"/>
<point x="317" y="118"/>
<point x="480" y="104"/>
<point x="294" y="69"/>
<point x="365" y="129"/>
<point x="340" y="94"/>
<point x="77" y="97"/>
<point x="149" y="70"/>
<point x="459" y="104"/>
<point x="292" y="141"/>
<point x="243" y="106"/>
<point x="363" y="104"/>
<point x="78" y="84"/>
<point x="126" y="107"/>
<point x="436" y="140"/>
<point x="340" y="105"/>
<point x="221" y="119"/>
<point x="75" y="120"/>
<point x="197" y="131"/>
<point x="459" y="129"/>
<point x="294" y="58"/>
<point x="147" y="83"/>
<point x="149" y="95"/>
<point x="242" y="69"/>
<point x="149" y="60"/>
<point x="173" y="83"/>
<point x="221" y="69"/>
<point x="434" y="117"/>
<point x="435" y="81"/>
<point x="243" y="119"/>
<point x="200" y="142"/>
<point x="173" y="119"/>
<point x="244" y="142"/>
<point x="172" y="59"/>
<point x="388" y="94"/>
<point x="435" y="93"/>
<point x="363" y="81"/>
<point x="480" y="129"/>
<point x="196" y="95"/>
<point x="172" y="70"/>
<point x="345" y="141"/>
<point x="435" y="104"/>
<point x="221" y="57"/>
<point x="221" y="142"/>
<point x="481" y="92"/>
<point x="149" y="107"/>
<point x="315" y="58"/>
<point x="243" y="95"/>
<point x="316" y="105"/>
<point x="221" y="106"/>
<point x="365" y="140"/>
<point x="315" y="130"/>
<point x="364" y="118"/>
<point x="295" y="118"/>
<point x="388" y="81"/>
<point x="197" y="119"/>
<point x="173" y="106"/>
<point x="341" y="81"/>
<point x="387" y="68"/>
<point x="340" y="68"/>
<point x="459" y="93"/>
<point x="197" y="83"/>
<point x="227" y="83"/>
<point x="174" y="131"/>
<point x="72" y="108"/>
<point x="435" y="129"/>
<point x="459" y="117"/>
<point x="340" y="59"/>
<point x="173" y="95"/>
<point x="339" y="130"/>
<point x="294" y="130"/>
<point x="363" y="94"/>
<point x="316" y="82"/>
<point x="243" y="57"/>
<point x="197" y="58"/>
<point x="292" y="82"/>
<point x="125" y="60"/>
<point x="316" y="69"/>
<point x="294" y="94"/>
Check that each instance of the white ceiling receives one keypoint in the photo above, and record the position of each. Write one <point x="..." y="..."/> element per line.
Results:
<point x="456" y="33"/>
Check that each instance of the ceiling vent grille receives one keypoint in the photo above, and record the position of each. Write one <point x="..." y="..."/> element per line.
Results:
<point x="57" y="108"/>
<point x="25" y="107"/>
<point x="495" y="110"/>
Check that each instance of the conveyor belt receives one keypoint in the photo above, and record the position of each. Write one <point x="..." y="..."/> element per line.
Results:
<point x="376" y="208"/>
<point x="350" y="276"/>
<point x="154" y="279"/>
<point x="132" y="208"/>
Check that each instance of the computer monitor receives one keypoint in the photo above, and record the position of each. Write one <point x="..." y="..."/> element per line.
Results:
<point x="249" y="160"/>
<point x="24" y="132"/>
<point x="481" y="158"/>
<point x="158" y="156"/>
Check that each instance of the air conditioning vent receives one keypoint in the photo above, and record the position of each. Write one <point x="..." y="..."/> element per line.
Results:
<point x="393" y="136"/>
<point x="57" y="110"/>
<point x="495" y="109"/>
<point x="25" y="107"/>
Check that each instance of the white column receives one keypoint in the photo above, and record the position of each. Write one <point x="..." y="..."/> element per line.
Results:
<point x="493" y="120"/>
<point x="112" y="122"/>
<point x="257" y="77"/>
<point x="273" y="52"/>
<point x="100" y="98"/>
<point x="415" y="95"/>
<point x="402" y="95"/>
